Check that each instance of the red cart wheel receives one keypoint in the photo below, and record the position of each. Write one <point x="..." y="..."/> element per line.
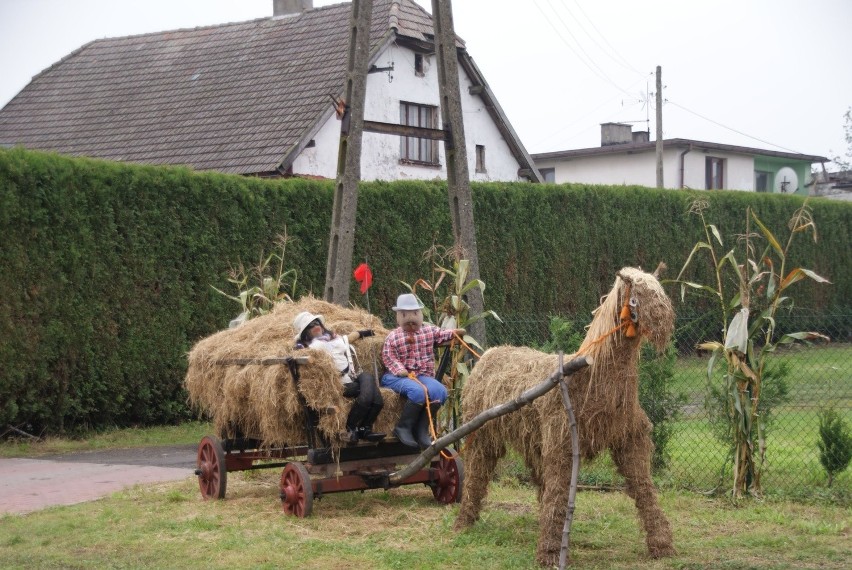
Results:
<point x="297" y="495"/>
<point x="212" y="471"/>
<point x="450" y="471"/>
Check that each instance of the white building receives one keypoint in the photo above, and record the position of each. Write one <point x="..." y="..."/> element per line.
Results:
<point x="628" y="158"/>
<point x="258" y="98"/>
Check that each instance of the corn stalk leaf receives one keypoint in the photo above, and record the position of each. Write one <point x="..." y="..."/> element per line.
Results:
<point x="471" y="284"/>
<point x="482" y="315"/>
<point x="715" y="231"/>
<point x="768" y="235"/>
<point x="697" y="286"/>
<point x="472" y="341"/>
<point x="790" y="338"/>
<point x="698" y="246"/>
<point x="729" y="257"/>
<point x="800" y="273"/>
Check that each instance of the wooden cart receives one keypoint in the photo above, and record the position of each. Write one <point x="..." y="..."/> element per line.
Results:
<point x="312" y="468"/>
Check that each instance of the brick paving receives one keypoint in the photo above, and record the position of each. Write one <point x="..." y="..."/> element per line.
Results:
<point x="28" y="485"/>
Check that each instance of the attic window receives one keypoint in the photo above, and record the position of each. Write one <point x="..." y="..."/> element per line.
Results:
<point x="418" y="65"/>
<point x="480" y="158"/>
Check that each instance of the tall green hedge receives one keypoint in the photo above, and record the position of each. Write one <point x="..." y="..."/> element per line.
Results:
<point x="107" y="268"/>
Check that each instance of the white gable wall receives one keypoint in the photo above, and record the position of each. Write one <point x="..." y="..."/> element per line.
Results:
<point x="380" y="153"/>
<point x="641" y="169"/>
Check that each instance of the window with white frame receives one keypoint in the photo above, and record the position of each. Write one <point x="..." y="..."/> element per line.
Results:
<point x="548" y="174"/>
<point x="413" y="149"/>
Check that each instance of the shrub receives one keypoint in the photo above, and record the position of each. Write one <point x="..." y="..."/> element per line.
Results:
<point x="662" y="406"/>
<point x="835" y="443"/>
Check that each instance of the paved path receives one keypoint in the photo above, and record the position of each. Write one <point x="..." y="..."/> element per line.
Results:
<point x="28" y="485"/>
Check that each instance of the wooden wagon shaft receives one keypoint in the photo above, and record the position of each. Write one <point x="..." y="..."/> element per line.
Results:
<point x="525" y="399"/>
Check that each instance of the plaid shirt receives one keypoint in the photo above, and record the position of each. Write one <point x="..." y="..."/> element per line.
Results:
<point x="402" y="355"/>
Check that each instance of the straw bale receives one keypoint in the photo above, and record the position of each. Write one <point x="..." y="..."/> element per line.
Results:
<point x="606" y="403"/>
<point x="262" y="401"/>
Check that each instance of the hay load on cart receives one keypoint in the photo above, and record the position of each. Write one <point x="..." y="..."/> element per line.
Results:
<point x="240" y="378"/>
<point x="276" y="406"/>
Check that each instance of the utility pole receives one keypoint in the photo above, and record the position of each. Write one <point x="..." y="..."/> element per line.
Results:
<point x="659" y="127"/>
<point x="342" y="238"/>
<point x="458" y="176"/>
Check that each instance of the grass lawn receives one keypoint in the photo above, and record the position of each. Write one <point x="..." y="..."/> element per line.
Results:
<point x="819" y="376"/>
<point x="190" y="432"/>
<point x="169" y="526"/>
<point x="800" y="524"/>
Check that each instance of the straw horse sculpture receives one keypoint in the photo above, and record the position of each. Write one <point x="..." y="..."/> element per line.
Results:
<point x="605" y="398"/>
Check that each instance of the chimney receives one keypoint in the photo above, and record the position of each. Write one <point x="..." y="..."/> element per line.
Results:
<point x="615" y="133"/>
<point x="290" y="7"/>
<point x="641" y="136"/>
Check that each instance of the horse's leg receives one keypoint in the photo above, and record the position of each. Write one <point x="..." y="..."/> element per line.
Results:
<point x="480" y="461"/>
<point x="633" y="459"/>
<point x="553" y="504"/>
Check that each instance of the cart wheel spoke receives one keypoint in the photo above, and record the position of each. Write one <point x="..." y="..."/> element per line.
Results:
<point x="450" y="478"/>
<point x="211" y="469"/>
<point x="297" y="495"/>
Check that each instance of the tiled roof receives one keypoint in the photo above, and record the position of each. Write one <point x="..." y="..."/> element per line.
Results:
<point x="234" y="97"/>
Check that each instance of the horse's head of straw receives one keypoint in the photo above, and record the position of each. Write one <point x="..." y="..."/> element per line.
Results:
<point x="649" y="304"/>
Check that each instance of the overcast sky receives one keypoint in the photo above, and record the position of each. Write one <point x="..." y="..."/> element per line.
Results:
<point x="772" y="74"/>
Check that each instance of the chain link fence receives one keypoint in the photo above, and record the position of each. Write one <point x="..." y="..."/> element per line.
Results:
<point x="804" y="381"/>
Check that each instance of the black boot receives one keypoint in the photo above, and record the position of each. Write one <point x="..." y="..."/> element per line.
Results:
<point x="356" y="416"/>
<point x="365" y="431"/>
<point x="424" y="432"/>
<point x="407" y="420"/>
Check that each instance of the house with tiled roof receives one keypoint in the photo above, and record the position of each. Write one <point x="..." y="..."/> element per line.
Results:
<point x="257" y="98"/>
<point x="628" y="157"/>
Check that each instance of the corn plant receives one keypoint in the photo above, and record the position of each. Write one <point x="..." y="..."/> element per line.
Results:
<point x="261" y="286"/>
<point x="762" y="282"/>
<point x="450" y="310"/>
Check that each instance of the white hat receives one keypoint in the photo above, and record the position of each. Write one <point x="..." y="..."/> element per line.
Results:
<point x="408" y="302"/>
<point x="303" y="319"/>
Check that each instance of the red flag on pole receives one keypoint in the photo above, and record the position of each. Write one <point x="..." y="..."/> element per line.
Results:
<point x="364" y="276"/>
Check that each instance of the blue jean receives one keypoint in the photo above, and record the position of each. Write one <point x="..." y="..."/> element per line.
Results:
<point x="407" y="387"/>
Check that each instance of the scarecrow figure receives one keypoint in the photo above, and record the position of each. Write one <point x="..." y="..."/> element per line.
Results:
<point x="409" y="358"/>
<point x="360" y="386"/>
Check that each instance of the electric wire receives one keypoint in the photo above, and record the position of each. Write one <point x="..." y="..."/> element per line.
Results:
<point x="591" y="65"/>
<point x="584" y="116"/>
<point x="700" y="116"/>
<point x="608" y="50"/>
<point x="579" y="44"/>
